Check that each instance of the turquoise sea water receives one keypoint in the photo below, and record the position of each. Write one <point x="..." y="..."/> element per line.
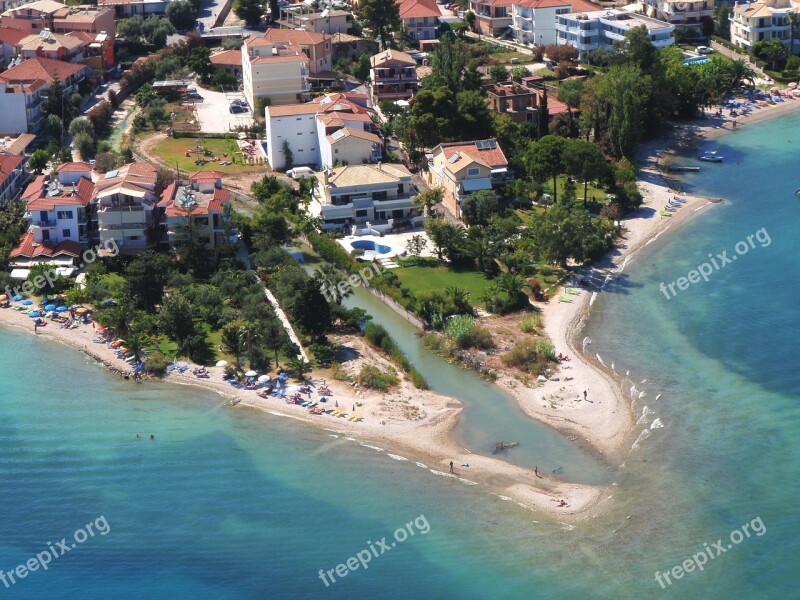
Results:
<point x="239" y="504"/>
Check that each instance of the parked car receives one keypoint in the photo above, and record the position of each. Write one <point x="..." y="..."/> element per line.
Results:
<point x="192" y="93"/>
<point x="235" y="109"/>
<point x="300" y="172"/>
<point x="704" y="50"/>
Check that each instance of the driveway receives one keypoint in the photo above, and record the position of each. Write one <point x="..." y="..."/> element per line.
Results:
<point x="214" y="114"/>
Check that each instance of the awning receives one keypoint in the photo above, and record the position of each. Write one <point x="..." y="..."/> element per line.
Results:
<point x="20" y="273"/>
<point x="473" y="185"/>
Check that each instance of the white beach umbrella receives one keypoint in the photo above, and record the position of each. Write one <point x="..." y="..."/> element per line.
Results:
<point x="250" y="374"/>
<point x="222" y="363"/>
<point x="263" y="378"/>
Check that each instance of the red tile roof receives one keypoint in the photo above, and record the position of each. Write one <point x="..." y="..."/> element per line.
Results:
<point x="40" y="69"/>
<point x="27" y="248"/>
<point x="493" y="157"/>
<point x="9" y="162"/>
<point x="205" y="176"/>
<point x="207" y="203"/>
<point x="34" y="188"/>
<point x="227" y="57"/>
<point x="39" y="200"/>
<point x="11" y="36"/>
<point x="299" y="37"/>
<point x="414" y="9"/>
<point x="74" y="167"/>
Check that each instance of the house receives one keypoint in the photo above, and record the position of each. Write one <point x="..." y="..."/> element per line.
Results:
<point x="334" y="128"/>
<point x="201" y="202"/>
<point x="125" y="201"/>
<point x="393" y="76"/>
<point x="688" y="17"/>
<point x="277" y="72"/>
<point x="229" y="61"/>
<point x="534" y="21"/>
<point x="25" y="86"/>
<point x="12" y="175"/>
<point x="9" y="40"/>
<point x="461" y="168"/>
<point x="86" y="18"/>
<point x="421" y="18"/>
<point x="521" y="101"/>
<point x="328" y="21"/>
<point x="492" y="17"/>
<point x="31" y="17"/>
<point x="764" y="20"/>
<point x="55" y="46"/>
<point x="352" y="46"/>
<point x="59" y="211"/>
<point x="28" y="252"/>
<point x="360" y="194"/>
<point x="98" y="50"/>
<point x="589" y="31"/>
<point x="317" y="47"/>
<point x="129" y="8"/>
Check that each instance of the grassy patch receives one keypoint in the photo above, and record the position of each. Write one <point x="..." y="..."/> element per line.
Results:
<point x="374" y="378"/>
<point x="428" y="279"/>
<point x="173" y="151"/>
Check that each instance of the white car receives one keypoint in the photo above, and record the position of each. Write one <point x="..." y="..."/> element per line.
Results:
<point x="300" y="172"/>
<point x="704" y="50"/>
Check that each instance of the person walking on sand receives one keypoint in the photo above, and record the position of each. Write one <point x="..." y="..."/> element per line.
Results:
<point x="536" y="472"/>
<point x="451" y="466"/>
<point x="584" y="394"/>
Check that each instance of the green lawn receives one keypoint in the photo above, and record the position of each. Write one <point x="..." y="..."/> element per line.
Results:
<point x="173" y="150"/>
<point x="426" y="279"/>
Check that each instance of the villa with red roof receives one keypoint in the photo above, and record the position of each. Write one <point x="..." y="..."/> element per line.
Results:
<point x="24" y="87"/>
<point x="421" y="18"/>
<point x="461" y="168"/>
<point x="126" y="200"/>
<point x="12" y="175"/>
<point x="203" y="201"/>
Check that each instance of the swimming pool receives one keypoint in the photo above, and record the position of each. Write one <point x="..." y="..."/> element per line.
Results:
<point x="696" y="60"/>
<point x="370" y="245"/>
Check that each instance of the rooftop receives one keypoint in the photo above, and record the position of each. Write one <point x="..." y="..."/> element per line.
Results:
<point x="487" y="152"/>
<point x="16" y="144"/>
<point x="392" y="57"/>
<point x="27" y="248"/>
<point x="46" y="40"/>
<point x="415" y="9"/>
<point x="47" y="195"/>
<point x="182" y="199"/>
<point x="625" y="18"/>
<point x="356" y="175"/>
<point x="40" y="69"/>
<point x="42" y="6"/>
<point x="227" y="57"/>
<point x="9" y="163"/>
<point x="298" y="37"/>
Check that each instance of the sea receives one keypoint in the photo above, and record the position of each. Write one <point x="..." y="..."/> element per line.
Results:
<point x="239" y="504"/>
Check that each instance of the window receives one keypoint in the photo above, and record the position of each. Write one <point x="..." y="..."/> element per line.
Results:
<point x="399" y="189"/>
<point x="336" y="151"/>
<point x="473" y="171"/>
<point x="64" y="214"/>
<point x="66" y="233"/>
<point x="361" y="213"/>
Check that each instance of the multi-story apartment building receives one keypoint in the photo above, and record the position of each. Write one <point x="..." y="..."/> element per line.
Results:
<point x="31" y="17"/>
<point x="764" y="20"/>
<point x="24" y="87"/>
<point x="328" y="21"/>
<point x="125" y="201"/>
<point x="55" y="46"/>
<point x="492" y="17"/>
<point x="201" y="201"/>
<point x="357" y="194"/>
<point x="59" y="18"/>
<point x="12" y="175"/>
<point x="461" y="168"/>
<point x="393" y="76"/>
<point x="589" y="31"/>
<point x="534" y="21"/>
<point x="318" y="47"/>
<point x="59" y="211"/>
<point x="129" y="8"/>
<point x="276" y="71"/>
<point x="421" y="18"/>
<point x="687" y="16"/>
<point x="334" y="128"/>
<point x="521" y="101"/>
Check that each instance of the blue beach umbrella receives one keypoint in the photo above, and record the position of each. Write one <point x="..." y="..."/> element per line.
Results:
<point x="34" y="314"/>
<point x="28" y="302"/>
<point x="61" y="309"/>
<point x="50" y="307"/>
<point x="17" y="298"/>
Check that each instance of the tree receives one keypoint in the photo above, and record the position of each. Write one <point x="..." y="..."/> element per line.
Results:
<point x="199" y="59"/>
<point x="269" y="228"/>
<point x="478" y="207"/>
<point x="288" y="155"/>
<point x="739" y="71"/>
<point x="469" y="19"/>
<point x="81" y="125"/>
<point x="274" y="10"/>
<point x="498" y="73"/>
<point x="381" y="19"/>
<point x="363" y="68"/>
<point x="427" y="200"/>
<point x="175" y="320"/>
<point x="55" y="127"/>
<point x="310" y="310"/>
<point x="444" y="236"/>
<point x="403" y="38"/>
<point x="130" y="29"/>
<point x="722" y="18"/>
<point x="793" y="21"/>
<point x="249" y="11"/>
<point x="181" y="14"/>
<point x="638" y="48"/>
<point x="545" y="159"/>
<point x="416" y="246"/>
<point x="329" y="277"/>
<point x="774" y="51"/>
<point x="543" y="115"/>
<point x="514" y="287"/>
<point x="85" y="145"/>
<point x="38" y="161"/>
<point x="299" y="367"/>
<point x="145" y="278"/>
<point x="585" y="161"/>
<point x="474" y="118"/>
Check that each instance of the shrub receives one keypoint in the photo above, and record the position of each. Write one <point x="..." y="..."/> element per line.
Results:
<point x="530" y="323"/>
<point x="157" y="363"/>
<point x="378" y="337"/>
<point x="323" y="355"/>
<point x="459" y="329"/>
<point x="374" y="378"/>
<point x="482" y="338"/>
<point x="530" y="356"/>
<point x="338" y="372"/>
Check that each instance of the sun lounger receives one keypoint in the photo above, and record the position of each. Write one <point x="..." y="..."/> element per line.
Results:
<point x="564" y="299"/>
<point x="574" y="292"/>
<point x="665" y="213"/>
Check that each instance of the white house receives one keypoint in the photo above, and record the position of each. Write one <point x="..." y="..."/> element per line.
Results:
<point x="59" y="212"/>
<point x="276" y="71"/>
<point x="125" y="200"/>
<point x="587" y="31"/>
<point x="534" y="21"/>
<point x="333" y="129"/>
<point x="763" y="20"/>
<point x="687" y="16"/>
<point x="360" y="194"/>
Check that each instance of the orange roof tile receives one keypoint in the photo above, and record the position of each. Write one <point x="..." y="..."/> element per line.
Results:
<point x="9" y="162"/>
<point x="74" y="167"/>
<point x="414" y="9"/>
<point x="27" y="248"/>
<point x="493" y="157"/>
<point x="11" y="36"/>
<point x="41" y="69"/>
<point x="227" y="57"/>
<point x="299" y="37"/>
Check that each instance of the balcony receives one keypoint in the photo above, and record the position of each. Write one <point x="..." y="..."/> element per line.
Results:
<point x="44" y="224"/>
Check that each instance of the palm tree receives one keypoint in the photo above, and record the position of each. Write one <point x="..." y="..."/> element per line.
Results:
<point x="459" y="296"/>
<point x="135" y="345"/>
<point x="793" y="20"/>
<point x="513" y="286"/>
<point x="299" y="367"/>
<point x="251" y="336"/>
<point x="428" y="199"/>
<point x="739" y="71"/>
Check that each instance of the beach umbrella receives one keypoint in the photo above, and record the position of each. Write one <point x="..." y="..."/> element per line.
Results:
<point x="50" y="307"/>
<point x="61" y="309"/>
<point x="17" y="298"/>
<point x="34" y="314"/>
<point x="250" y="374"/>
<point x="222" y="363"/>
<point x="263" y="378"/>
<point x="28" y="302"/>
<point x="3" y="297"/>
<point x="81" y="311"/>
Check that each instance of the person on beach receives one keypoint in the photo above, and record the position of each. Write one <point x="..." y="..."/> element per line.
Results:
<point x="36" y="326"/>
<point x="536" y="472"/>
<point x="451" y="466"/>
<point x="584" y="394"/>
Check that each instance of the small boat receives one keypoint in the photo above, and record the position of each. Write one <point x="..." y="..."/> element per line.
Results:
<point x="684" y="169"/>
<point x="711" y="156"/>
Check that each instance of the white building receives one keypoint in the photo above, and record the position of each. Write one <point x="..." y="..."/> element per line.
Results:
<point x="59" y="212"/>
<point x="333" y="129"/>
<point x="276" y="71"/>
<point x="764" y="20"/>
<point x="534" y="21"/>
<point x="359" y="194"/>
<point x="589" y="31"/>
<point x="687" y="16"/>
<point x="12" y="175"/>
<point x="125" y="200"/>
